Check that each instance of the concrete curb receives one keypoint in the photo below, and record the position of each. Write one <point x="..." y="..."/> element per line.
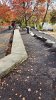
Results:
<point x="39" y="37"/>
<point x="49" y="43"/>
<point x="53" y="49"/>
<point x="18" y="55"/>
<point x="46" y="41"/>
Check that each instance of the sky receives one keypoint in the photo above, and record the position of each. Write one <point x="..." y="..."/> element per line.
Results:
<point x="9" y="2"/>
<point x="54" y="3"/>
<point x="54" y="0"/>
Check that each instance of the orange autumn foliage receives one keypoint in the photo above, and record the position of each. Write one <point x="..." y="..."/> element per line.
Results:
<point x="22" y="8"/>
<point x="6" y="13"/>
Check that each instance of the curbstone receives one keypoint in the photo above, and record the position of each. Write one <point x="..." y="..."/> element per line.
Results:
<point x="38" y="37"/>
<point x="17" y="56"/>
<point x="31" y="33"/>
<point x="53" y="49"/>
<point x="49" y="43"/>
<point x="35" y="35"/>
<point x="44" y="39"/>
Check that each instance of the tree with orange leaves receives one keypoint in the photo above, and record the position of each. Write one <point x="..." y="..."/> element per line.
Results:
<point x="22" y="9"/>
<point x="41" y="9"/>
<point x="6" y="13"/>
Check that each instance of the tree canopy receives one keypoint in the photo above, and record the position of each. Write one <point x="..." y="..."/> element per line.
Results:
<point x="23" y="10"/>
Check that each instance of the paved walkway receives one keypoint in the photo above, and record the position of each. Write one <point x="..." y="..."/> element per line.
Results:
<point x="4" y="39"/>
<point x="35" y="78"/>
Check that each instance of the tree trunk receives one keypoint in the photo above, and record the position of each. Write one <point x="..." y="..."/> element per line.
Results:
<point x="45" y="14"/>
<point x="25" y="20"/>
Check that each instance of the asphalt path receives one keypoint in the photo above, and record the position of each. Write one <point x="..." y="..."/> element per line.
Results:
<point x="35" y="78"/>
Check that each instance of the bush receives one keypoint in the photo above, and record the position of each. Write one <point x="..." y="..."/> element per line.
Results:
<point x="23" y="25"/>
<point x="40" y="27"/>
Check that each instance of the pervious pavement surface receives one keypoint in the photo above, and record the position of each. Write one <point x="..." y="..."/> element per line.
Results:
<point x="4" y="39"/>
<point x="35" y="78"/>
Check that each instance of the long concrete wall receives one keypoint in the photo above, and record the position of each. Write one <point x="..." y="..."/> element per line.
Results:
<point x="18" y="55"/>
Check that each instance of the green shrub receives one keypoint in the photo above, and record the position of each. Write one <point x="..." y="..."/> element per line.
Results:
<point x="39" y="27"/>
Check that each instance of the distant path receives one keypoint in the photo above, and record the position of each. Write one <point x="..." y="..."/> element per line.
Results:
<point x="4" y="39"/>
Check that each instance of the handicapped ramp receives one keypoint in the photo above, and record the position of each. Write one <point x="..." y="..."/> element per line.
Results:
<point x="17" y="56"/>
